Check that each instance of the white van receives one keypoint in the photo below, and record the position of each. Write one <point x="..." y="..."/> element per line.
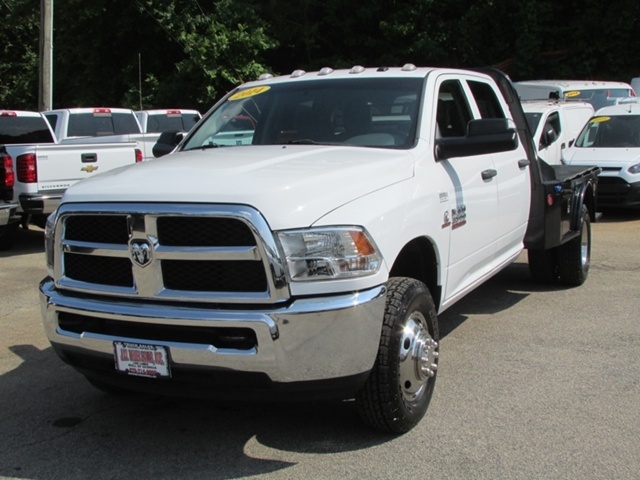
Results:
<point x="611" y="141"/>
<point x="555" y="125"/>
<point x="597" y="93"/>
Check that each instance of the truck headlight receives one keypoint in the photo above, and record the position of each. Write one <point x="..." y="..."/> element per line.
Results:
<point x="49" y="237"/>
<point x="329" y="253"/>
<point x="634" y="168"/>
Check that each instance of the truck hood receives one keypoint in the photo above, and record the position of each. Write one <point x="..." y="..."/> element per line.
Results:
<point x="292" y="185"/>
<point x="614" y="157"/>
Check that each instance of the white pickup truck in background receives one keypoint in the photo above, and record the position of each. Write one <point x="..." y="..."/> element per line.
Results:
<point x="100" y="125"/>
<point x="171" y="120"/>
<point x="42" y="169"/>
<point x="555" y="125"/>
<point x="9" y="217"/>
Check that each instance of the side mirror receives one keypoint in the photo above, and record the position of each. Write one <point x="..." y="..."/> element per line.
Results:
<point x="166" y="143"/>
<point x="548" y="137"/>
<point x="487" y="135"/>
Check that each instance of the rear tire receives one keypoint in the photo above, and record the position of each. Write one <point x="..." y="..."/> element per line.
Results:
<point x="543" y="265"/>
<point x="398" y="391"/>
<point x="574" y="257"/>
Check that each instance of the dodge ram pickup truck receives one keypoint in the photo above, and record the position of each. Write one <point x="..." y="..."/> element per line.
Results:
<point x="312" y="257"/>
<point x="43" y="169"/>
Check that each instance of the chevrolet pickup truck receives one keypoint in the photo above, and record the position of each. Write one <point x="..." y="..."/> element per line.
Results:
<point x="9" y="217"/>
<point x="167" y="120"/>
<point x="100" y="125"/>
<point x="312" y="257"/>
<point x="42" y="169"/>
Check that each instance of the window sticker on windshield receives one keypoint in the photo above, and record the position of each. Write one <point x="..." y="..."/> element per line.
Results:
<point x="575" y="93"/>
<point x="249" y="92"/>
<point x="600" y="119"/>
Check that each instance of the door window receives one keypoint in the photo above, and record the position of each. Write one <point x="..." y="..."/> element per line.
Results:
<point x="486" y="100"/>
<point x="453" y="113"/>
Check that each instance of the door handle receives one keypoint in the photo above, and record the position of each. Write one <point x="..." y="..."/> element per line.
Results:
<point x="489" y="174"/>
<point x="524" y="163"/>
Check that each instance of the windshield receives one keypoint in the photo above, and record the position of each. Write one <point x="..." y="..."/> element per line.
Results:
<point x="378" y="112"/>
<point x="533" y="119"/>
<point x="611" y="132"/>
<point x="598" y="97"/>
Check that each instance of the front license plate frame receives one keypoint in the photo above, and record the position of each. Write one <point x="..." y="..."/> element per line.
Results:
<point x="141" y="359"/>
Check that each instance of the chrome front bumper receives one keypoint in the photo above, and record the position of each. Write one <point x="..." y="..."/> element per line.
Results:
<point x="311" y="339"/>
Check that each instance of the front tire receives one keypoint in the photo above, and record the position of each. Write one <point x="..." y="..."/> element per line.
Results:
<point x="574" y="257"/>
<point x="397" y="394"/>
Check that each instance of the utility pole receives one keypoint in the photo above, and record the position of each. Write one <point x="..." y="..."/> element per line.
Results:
<point x="45" y="90"/>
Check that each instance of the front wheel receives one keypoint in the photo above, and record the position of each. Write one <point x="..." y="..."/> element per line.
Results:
<point x="574" y="257"/>
<point x="397" y="394"/>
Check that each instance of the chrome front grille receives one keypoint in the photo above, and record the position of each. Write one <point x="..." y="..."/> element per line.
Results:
<point x="220" y="254"/>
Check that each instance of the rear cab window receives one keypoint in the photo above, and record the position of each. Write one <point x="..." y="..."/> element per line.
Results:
<point x="16" y="129"/>
<point x="168" y="122"/>
<point x="101" y="123"/>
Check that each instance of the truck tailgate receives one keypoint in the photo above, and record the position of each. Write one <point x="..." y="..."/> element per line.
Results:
<point x="60" y="166"/>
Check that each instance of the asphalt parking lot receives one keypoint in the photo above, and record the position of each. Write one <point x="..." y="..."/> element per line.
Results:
<point x="534" y="383"/>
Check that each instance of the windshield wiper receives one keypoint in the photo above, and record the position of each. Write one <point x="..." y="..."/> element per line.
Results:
<point x="206" y="146"/>
<point x="303" y="141"/>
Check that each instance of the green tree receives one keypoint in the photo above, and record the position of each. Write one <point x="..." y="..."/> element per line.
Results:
<point x="188" y="53"/>
<point x="19" y="47"/>
<point x="221" y="44"/>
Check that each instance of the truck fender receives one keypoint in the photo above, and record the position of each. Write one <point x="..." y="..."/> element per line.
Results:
<point x="585" y="196"/>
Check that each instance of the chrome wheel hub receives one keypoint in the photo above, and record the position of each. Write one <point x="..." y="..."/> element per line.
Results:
<point x="418" y="359"/>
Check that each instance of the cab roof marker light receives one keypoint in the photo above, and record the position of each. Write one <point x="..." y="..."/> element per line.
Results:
<point x="357" y="69"/>
<point x="409" y="67"/>
<point x="297" y="73"/>
<point x="382" y="69"/>
<point x="265" y="76"/>
<point x="325" y="71"/>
